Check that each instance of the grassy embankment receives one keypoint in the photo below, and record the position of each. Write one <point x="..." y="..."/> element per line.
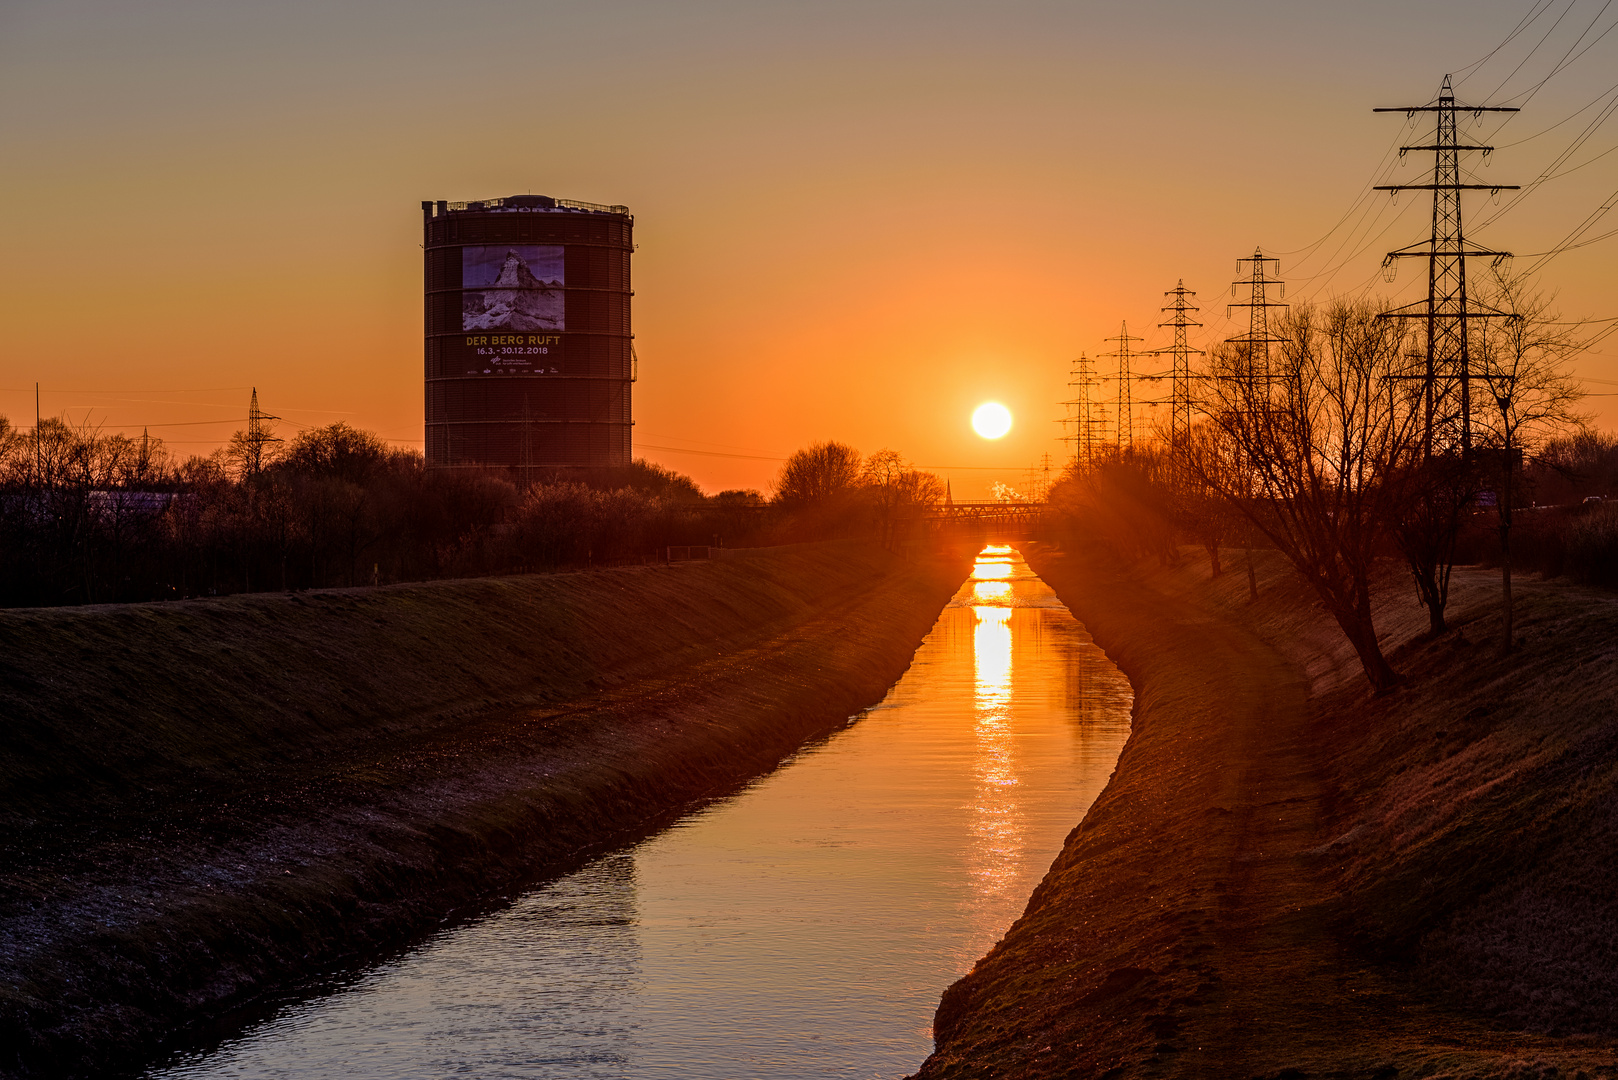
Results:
<point x="1287" y="877"/>
<point x="209" y="800"/>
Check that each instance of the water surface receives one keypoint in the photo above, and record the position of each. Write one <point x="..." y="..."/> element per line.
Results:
<point x="802" y="928"/>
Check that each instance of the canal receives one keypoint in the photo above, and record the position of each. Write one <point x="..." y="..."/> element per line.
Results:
<point x="804" y="927"/>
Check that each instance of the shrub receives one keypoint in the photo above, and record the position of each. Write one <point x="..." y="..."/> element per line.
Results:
<point x="1590" y="546"/>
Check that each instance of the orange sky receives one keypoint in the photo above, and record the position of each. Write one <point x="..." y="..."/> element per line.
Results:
<point x="856" y="221"/>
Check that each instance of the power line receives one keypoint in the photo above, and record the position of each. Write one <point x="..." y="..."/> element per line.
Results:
<point x="1565" y="62"/>
<point x="1582" y="164"/>
<point x="1535" y="49"/>
<point x="706" y="442"/>
<point x="1533" y="13"/>
<point x="1364" y="196"/>
<point x="708" y="453"/>
<point x="1584" y="226"/>
<point x="1556" y="162"/>
<point x="1565" y="119"/>
<point x="188" y="423"/>
<point x="181" y="390"/>
<point x="1331" y="274"/>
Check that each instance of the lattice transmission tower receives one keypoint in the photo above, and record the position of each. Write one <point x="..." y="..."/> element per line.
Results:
<point x="1125" y="410"/>
<point x="1180" y="353"/>
<point x="1447" y="378"/>
<point x="1086" y="426"/>
<point x="1037" y="486"/>
<point x="259" y="436"/>
<point x="1255" y="345"/>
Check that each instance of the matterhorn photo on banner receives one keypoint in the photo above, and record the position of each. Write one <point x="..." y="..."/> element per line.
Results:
<point x="522" y="288"/>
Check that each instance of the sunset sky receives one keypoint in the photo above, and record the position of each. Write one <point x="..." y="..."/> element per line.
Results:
<point x="855" y="221"/>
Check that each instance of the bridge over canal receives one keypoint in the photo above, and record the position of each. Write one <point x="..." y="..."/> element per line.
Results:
<point x="990" y="522"/>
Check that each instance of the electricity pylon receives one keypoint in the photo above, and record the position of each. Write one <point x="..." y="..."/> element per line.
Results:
<point x="258" y="437"/>
<point x="1256" y="343"/>
<point x="1447" y="379"/>
<point x="1180" y="352"/>
<point x="1126" y="418"/>
<point x="1085" y="428"/>
<point x="1038" y="486"/>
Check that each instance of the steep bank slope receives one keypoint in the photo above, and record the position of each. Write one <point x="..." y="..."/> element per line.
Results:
<point x="212" y="799"/>
<point x="1287" y="878"/>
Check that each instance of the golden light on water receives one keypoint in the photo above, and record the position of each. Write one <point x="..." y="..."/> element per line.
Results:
<point x="990" y="591"/>
<point x="994" y="562"/>
<point x="991" y="645"/>
<point x="991" y="420"/>
<point x="997" y="824"/>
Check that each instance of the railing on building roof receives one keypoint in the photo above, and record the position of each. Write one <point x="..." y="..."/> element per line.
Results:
<point x="571" y="204"/>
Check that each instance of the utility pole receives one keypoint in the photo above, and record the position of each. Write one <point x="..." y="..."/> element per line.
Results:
<point x="1126" y="418"/>
<point x="1447" y="379"/>
<point x="1180" y="352"/>
<point x="1258" y="339"/>
<point x="1086" y="428"/>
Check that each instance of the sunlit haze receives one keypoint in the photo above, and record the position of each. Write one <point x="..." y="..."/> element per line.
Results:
<point x="853" y="219"/>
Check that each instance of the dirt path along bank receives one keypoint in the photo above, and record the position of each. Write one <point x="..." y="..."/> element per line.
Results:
<point x="1287" y="878"/>
<point x="209" y="801"/>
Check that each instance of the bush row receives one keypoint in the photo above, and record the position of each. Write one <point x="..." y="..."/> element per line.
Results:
<point x="88" y="518"/>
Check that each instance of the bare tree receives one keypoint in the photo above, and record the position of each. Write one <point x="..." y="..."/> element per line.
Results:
<point x="252" y="452"/>
<point x="1202" y="512"/>
<point x="899" y="493"/>
<point x="1441" y="490"/>
<point x="818" y="474"/>
<point x="1321" y="444"/>
<point x="1523" y="361"/>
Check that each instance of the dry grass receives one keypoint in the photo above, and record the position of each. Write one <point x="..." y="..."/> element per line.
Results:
<point x="120" y="702"/>
<point x="1478" y="805"/>
<point x="1486" y="806"/>
<point x="209" y="801"/>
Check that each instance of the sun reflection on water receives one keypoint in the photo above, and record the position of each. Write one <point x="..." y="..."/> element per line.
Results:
<point x="997" y="819"/>
<point x="990" y="591"/>
<point x="996" y="562"/>
<point x="991" y="647"/>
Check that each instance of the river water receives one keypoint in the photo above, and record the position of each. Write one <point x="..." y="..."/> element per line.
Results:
<point x="804" y="927"/>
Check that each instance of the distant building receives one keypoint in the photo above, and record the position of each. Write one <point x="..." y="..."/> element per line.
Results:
<point x="529" y="358"/>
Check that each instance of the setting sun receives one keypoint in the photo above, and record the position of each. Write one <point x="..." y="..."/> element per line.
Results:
<point x="991" y="420"/>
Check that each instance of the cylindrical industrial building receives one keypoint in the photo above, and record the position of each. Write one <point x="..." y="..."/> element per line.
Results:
<point x="528" y="358"/>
